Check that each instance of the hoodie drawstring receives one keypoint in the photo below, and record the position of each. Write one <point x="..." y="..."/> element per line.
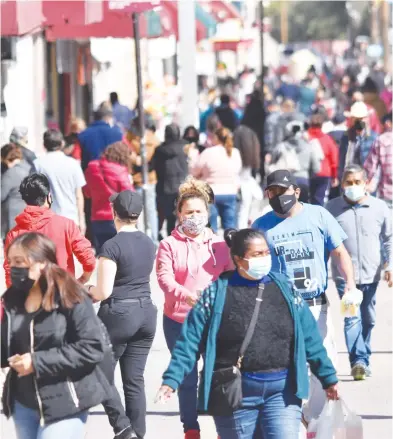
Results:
<point x="212" y="252"/>
<point x="188" y="257"/>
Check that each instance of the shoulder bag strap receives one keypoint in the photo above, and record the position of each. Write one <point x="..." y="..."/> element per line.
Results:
<point x="251" y="327"/>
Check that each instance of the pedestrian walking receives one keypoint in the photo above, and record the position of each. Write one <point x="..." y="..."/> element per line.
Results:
<point x="226" y="114"/>
<point x="65" y="177"/>
<point x="11" y="201"/>
<point x="187" y="261"/>
<point x="368" y="224"/>
<point x="52" y="342"/>
<point x="72" y="146"/>
<point x="301" y="237"/>
<point x="380" y="158"/>
<point x="104" y="177"/>
<point x="19" y="137"/>
<point x="219" y="166"/>
<point x="327" y="177"/>
<point x="38" y="217"/>
<point x="123" y="287"/>
<point x="122" y="115"/>
<point x="151" y="143"/>
<point x="250" y="323"/>
<point x="246" y="141"/>
<point x="170" y="163"/>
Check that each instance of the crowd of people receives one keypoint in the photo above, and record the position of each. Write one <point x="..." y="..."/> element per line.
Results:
<point x="251" y="303"/>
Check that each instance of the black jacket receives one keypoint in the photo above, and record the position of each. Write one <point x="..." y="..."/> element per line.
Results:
<point x="67" y="347"/>
<point x="171" y="165"/>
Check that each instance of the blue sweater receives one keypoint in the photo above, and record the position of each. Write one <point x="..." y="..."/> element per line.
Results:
<point x="199" y="333"/>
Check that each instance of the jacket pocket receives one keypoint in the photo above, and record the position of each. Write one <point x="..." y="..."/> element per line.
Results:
<point x="74" y="396"/>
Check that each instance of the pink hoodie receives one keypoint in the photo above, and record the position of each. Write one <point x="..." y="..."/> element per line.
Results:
<point x="185" y="266"/>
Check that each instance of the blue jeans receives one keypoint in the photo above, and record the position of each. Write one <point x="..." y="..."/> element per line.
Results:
<point x="27" y="425"/>
<point x="358" y="329"/>
<point x="102" y="232"/>
<point x="270" y="410"/>
<point x="188" y="390"/>
<point x="151" y="210"/>
<point x="224" y="206"/>
<point x="319" y="190"/>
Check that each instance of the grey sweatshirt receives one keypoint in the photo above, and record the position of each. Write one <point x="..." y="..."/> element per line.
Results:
<point x="369" y="227"/>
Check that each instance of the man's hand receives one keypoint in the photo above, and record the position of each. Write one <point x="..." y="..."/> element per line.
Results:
<point x="85" y="277"/>
<point x="389" y="278"/>
<point x="268" y="159"/>
<point x="332" y="392"/>
<point x="335" y="182"/>
<point x="164" y="394"/>
<point x="22" y="364"/>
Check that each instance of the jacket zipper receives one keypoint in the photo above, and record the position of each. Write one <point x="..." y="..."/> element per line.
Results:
<point x="9" y="332"/>
<point x="42" y="420"/>
<point x="74" y="396"/>
<point x="358" y="245"/>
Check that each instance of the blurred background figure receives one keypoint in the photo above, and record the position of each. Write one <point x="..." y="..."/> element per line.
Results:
<point x="19" y="137"/>
<point x="122" y="115"/>
<point x="72" y="146"/>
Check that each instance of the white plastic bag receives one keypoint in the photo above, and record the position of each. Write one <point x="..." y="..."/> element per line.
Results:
<point x="336" y="421"/>
<point x="351" y="302"/>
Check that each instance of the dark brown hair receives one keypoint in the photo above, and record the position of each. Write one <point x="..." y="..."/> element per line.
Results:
<point x="226" y="139"/>
<point x="55" y="283"/>
<point x="118" y="152"/>
<point x="11" y="152"/>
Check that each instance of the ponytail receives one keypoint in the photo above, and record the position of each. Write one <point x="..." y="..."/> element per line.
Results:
<point x="226" y="139"/>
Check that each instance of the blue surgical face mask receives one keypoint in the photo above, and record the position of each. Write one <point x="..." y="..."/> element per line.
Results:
<point x="355" y="193"/>
<point x="259" y="267"/>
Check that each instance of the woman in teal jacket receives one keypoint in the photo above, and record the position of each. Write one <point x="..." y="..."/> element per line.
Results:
<point x="274" y="367"/>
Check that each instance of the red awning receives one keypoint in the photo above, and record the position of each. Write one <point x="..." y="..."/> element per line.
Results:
<point x="116" y="22"/>
<point x="222" y="10"/>
<point x="20" y="17"/>
<point x="75" y="13"/>
<point x="231" y="45"/>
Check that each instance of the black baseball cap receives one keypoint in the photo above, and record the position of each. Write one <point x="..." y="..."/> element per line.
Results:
<point x="281" y="177"/>
<point x="126" y="204"/>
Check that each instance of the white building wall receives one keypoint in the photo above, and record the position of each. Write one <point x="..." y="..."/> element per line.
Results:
<point x="24" y="91"/>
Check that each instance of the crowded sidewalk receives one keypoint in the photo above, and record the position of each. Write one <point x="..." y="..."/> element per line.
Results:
<point x="371" y="398"/>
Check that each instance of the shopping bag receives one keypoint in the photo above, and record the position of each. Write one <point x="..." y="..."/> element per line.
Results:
<point x="351" y="302"/>
<point x="331" y="423"/>
<point x="353" y="423"/>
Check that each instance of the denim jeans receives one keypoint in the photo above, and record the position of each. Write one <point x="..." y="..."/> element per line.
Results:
<point x="319" y="190"/>
<point x="224" y="206"/>
<point x="150" y="211"/>
<point x="27" y="425"/>
<point x="131" y="327"/>
<point x="271" y="410"/>
<point x="358" y="329"/>
<point x="102" y="232"/>
<point x="188" y="390"/>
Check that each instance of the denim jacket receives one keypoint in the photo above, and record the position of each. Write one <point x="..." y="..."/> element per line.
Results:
<point x="199" y="334"/>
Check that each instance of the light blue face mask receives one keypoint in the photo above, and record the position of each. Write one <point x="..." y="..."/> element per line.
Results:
<point x="355" y="193"/>
<point x="259" y="267"/>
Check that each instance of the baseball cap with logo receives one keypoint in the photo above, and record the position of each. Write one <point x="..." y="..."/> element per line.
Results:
<point x="127" y="204"/>
<point x="281" y="177"/>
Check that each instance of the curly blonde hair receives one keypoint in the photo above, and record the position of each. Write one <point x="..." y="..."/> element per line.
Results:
<point x="193" y="188"/>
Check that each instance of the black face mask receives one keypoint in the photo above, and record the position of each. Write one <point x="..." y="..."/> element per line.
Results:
<point x="192" y="139"/>
<point x="282" y="204"/>
<point x="20" y="279"/>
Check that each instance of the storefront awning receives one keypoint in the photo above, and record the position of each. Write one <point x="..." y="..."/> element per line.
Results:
<point x="223" y="10"/>
<point x="20" y="17"/>
<point x="232" y="45"/>
<point x="76" y="12"/>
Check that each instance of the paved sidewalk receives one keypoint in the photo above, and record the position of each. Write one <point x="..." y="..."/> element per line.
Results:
<point x="372" y="399"/>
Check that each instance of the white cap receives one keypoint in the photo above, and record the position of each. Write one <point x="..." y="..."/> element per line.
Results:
<point x="359" y="110"/>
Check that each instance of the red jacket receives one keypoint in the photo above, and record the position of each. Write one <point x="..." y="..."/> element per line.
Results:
<point x="104" y="178"/>
<point x="62" y="231"/>
<point x="329" y="165"/>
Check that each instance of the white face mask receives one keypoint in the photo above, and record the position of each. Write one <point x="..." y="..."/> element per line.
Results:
<point x="259" y="267"/>
<point x="355" y="193"/>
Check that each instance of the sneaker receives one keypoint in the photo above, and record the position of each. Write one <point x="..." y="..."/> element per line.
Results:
<point x="192" y="434"/>
<point x="359" y="372"/>
<point x="368" y="372"/>
<point x="127" y="433"/>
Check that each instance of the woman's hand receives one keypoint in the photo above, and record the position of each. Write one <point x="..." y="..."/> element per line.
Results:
<point x="22" y="364"/>
<point x="332" y="392"/>
<point x="192" y="300"/>
<point x="164" y="394"/>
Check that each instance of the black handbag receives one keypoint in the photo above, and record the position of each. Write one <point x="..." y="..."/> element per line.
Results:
<point x="226" y="388"/>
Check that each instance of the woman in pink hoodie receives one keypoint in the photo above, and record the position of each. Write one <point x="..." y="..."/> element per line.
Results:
<point x="187" y="262"/>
